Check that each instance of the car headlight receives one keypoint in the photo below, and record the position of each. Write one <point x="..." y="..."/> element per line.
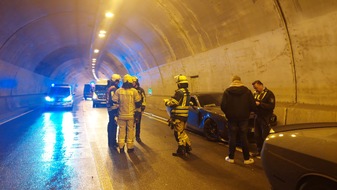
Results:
<point x="49" y="99"/>
<point x="68" y="99"/>
<point x="94" y="96"/>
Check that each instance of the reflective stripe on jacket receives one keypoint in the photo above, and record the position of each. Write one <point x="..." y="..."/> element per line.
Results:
<point x="180" y="103"/>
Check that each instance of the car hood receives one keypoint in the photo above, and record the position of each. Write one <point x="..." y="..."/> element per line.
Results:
<point x="214" y="109"/>
<point x="58" y="95"/>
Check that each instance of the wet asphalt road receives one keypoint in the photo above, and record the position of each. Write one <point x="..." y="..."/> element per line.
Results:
<point x="60" y="149"/>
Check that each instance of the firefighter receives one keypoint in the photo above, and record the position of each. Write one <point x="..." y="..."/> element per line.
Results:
<point x="128" y="100"/>
<point x="112" y="110"/>
<point x="139" y="112"/>
<point x="179" y="104"/>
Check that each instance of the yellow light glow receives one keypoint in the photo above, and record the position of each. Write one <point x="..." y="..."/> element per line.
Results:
<point x="94" y="60"/>
<point x="102" y="32"/>
<point x="293" y="135"/>
<point x="96" y="50"/>
<point x="101" y="35"/>
<point x="109" y="14"/>
<point x="280" y="135"/>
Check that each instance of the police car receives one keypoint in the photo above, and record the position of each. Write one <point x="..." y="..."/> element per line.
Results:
<point x="59" y="95"/>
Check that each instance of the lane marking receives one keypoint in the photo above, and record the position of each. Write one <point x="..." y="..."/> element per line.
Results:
<point x="103" y="174"/>
<point x="155" y="117"/>
<point x="15" y="117"/>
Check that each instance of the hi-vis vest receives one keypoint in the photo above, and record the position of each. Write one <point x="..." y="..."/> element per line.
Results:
<point x="181" y="110"/>
<point x="260" y="96"/>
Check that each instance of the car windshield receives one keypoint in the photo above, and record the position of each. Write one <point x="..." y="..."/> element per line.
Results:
<point x="100" y="88"/>
<point x="60" y="91"/>
<point x="210" y="99"/>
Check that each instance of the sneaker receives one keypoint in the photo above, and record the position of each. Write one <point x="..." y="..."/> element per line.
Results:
<point x="229" y="160"/>
<point x="249" y="161"/>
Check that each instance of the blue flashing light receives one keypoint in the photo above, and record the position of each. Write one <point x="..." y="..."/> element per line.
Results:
<point x="8" y="83"/>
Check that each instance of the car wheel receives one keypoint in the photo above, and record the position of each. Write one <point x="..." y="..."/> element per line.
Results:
<point x="211" y="130"/>
<point x="318" y="183"/>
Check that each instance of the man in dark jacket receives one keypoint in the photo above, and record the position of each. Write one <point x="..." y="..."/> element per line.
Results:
<point x="237" y="103"/>
<point x="265" y="102"/>
<point x="112" y="110"/>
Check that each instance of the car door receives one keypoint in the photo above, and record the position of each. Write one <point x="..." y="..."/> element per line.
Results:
<point x="193" y="119"/>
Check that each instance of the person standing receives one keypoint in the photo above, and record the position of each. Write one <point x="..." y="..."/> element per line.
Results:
<point x="128" y="100"/>
<point x="179" y="104"/>
<point x="112" y="110"/>
<point x="237" y="104"/>
<point x="139" y="112"/>
<point x="265" y="102"/>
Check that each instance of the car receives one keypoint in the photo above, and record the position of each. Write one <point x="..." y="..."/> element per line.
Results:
<point x="87" y="91"/>
<point x="59" y="96"/>
<point x="301" y="156"/>
<point x="99" y="94"/>
<point x="205" y="116"/>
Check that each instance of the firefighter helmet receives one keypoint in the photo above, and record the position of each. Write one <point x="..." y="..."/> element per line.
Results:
<point x="181" y="79"/>
<point x="115" y="77"/>
<point x="127" y="78"/>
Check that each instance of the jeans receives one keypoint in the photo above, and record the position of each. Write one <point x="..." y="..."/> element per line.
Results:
<point x="261" y="131"/>
<point x="235" y="128"/>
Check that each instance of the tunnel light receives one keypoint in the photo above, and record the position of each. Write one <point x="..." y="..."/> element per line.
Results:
<point x="93" y="64"/>
<point x="109" y="14"/>
<point x="96" y="50"/>
<point x="94" y="60"/>
<point x="102" y="33"/>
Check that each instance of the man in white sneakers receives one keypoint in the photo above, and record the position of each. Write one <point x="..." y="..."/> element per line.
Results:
<point x="237" y="103"/>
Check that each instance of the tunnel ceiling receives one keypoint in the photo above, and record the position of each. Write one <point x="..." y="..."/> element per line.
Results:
<point x="41" y="36"/>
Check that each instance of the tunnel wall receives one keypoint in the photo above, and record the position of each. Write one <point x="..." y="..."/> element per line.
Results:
<point x="297" y="62"/>
<point x="20" y="90"/>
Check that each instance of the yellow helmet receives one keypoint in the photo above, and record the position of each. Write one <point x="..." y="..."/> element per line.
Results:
<point x="127" y="78"/>
<point x="115" y="77"/>
<point x="134" y="78"/>
<point x="181" y="79"/>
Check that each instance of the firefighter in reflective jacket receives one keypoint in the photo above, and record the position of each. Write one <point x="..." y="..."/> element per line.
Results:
<point x="128" y="100"/>
<point x="178" y="105"/>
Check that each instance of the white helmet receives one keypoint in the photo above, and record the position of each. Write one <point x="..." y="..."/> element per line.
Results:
<point x="181" y="79"/>
<point x="115" y="77"/>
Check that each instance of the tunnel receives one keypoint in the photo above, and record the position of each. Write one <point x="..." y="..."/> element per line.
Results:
<point x="289" y="45"/>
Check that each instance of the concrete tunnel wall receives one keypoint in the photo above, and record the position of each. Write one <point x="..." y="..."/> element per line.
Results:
<point x="294" y="56"/>
<point x="288" y="45"/>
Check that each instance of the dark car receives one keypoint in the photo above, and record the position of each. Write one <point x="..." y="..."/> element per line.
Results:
<point x="205" y="116"/>
<point x="88" y="91"/>
<point x="301" y="157"/>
